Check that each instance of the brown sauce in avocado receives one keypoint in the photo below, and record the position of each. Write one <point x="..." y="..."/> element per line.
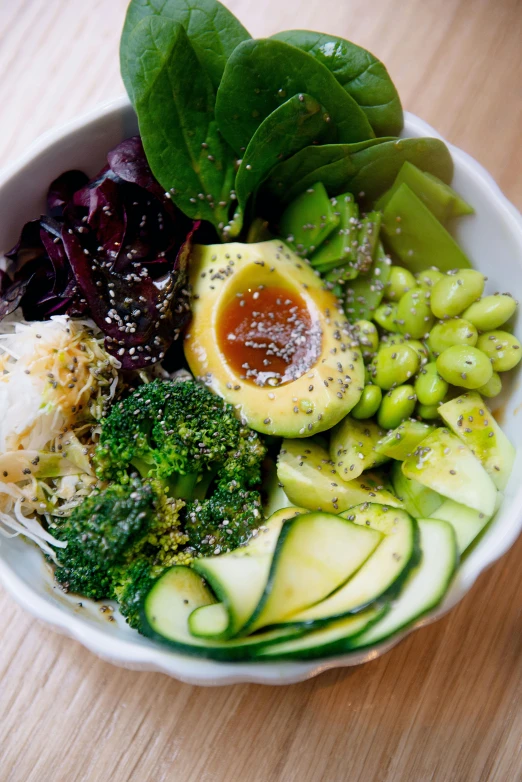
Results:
<point x="268" y="337"/>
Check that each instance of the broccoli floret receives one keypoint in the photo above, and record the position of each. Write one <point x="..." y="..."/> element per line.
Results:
<point x="115" y="528"/>
<point x="130" y="586"/>
<point x="177" y="431"/>
<point x="222" y="522"/>
<point x="186" y="443"/>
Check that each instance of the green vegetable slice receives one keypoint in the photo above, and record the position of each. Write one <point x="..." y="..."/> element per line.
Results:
<point x="381" y="574"/>
<point x="260" y="75"/>
<point x="467" y="522"/>
<point x="418" y="500"/>
<point x="337" y="637"/>
<point x="315" y="554"/>
<point x="444" y="464"/>
<point x="473" y="423"/>
<point x="238" y="580"/>
<point x="309" y="478"/>
<point x="213" y="30"/>
<point x="300" y="121"/>
<point x="170" y="602"/>
<point x="361" y="74"/>
<point x="174" y="101"/>
<point x="425" y="586"/>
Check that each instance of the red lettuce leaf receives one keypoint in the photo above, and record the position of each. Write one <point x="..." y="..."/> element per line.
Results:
<point x="115" y="249"/>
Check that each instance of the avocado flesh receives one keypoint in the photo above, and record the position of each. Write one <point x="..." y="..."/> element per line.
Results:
<point x="312" y="402"/>
<point x="308" y="477"/>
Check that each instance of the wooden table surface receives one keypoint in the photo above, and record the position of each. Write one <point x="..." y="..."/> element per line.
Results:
<point x="445" y="705"/>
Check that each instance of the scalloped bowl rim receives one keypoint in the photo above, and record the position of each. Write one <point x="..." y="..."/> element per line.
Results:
<point x="126" y="651"/>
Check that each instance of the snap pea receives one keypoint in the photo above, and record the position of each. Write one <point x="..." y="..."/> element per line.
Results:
<point x="456" y="331"/>
<point x="427" y="412"/>
<point x="394" y="364"/>
<point x="429" y="277"/>
<point x="455" y="292"/>
<point x="414" y="316"/>
<point x="368" y="404"/>
<point x="502" y="348"/>
<point x="400" y="281"/>
<point x="386" y="315"/>
<point x="396" y="406"/>
<point x="491" y="311"/>
<point x="493" y="387"/>
<point x="465" y="366"/>
<point x="429" y="386"/>
<point x="367" y="337"/>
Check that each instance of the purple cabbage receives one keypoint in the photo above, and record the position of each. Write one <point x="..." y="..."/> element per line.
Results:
<point x="114" y="249"/>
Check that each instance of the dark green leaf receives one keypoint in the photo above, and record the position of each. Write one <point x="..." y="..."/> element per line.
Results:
<point x="213" y="30"/>
<point x="261" y="75"/>
<point x="300" y="121"/>
<point x="367" y="168"/>
<point x="361" y="74"/>
<point x="174" y="101"/>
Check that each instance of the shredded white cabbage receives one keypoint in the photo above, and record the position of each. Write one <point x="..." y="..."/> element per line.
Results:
<point x="56" y="379"/>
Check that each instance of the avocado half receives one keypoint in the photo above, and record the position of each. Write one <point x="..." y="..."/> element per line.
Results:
<point x="301" y="407"/>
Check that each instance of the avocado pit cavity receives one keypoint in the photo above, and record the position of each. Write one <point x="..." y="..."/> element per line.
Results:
<point x="268" y="335"/>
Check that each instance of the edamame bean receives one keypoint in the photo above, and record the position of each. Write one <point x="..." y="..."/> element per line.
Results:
<point x="395" y="338"/>
<point x="456" y="331"/>
<point x="414" y="316"/>
<point x="429" y="386"/>
<point x="429" y="277"/>
<point x="386" y="315"/>
<point x="368" y="404"/>
<point x="491" y="311"/>
<point x="397" y="405"/>
<point x="502" y="348"/>
<point x="465" y="366"/>
<point x="493" y="387"/>
<point x="393" y="365"/>
<point x="400" y="281"/>
<point x="456" y="292"/>
<point x="428" y="412"/>
<point x="367" y="337"/>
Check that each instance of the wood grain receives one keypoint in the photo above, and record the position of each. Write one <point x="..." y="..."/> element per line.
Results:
<point x="445" y="704"/>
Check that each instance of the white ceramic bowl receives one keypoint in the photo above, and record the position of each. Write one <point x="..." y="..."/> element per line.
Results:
<point x="493" y="240"/>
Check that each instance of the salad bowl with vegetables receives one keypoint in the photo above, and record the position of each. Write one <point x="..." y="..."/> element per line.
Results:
<point x="259" y="346"/>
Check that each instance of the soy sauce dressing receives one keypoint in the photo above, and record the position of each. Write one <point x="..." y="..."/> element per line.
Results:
<point x="268" y="337"/>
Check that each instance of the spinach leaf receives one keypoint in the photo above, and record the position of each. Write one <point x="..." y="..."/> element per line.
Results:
<point x="213" y="31"/>
<point x="366" y="169"/>
<point x="300" y="121"/>
<point x="174" y="101"/>
<point x="361" y="74"/>
<point x="261" y="75"/>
